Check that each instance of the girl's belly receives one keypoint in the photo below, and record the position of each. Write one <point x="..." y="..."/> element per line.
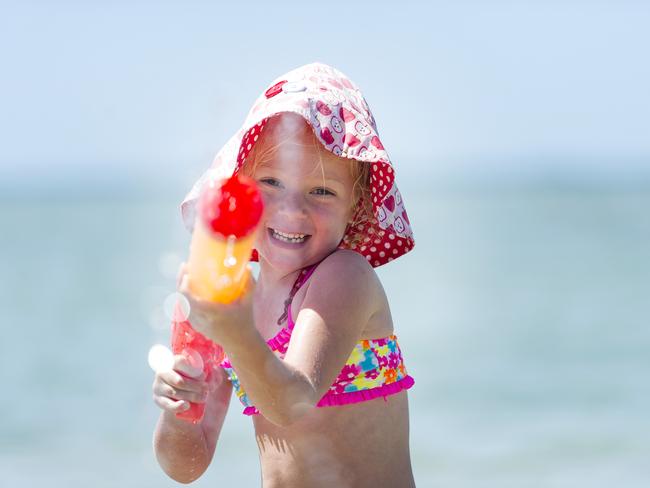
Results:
<point x="358" y="445"/>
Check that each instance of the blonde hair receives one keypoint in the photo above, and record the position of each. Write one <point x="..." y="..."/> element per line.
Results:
<point x="362" y="209"/>
<point x="364" y="212"/>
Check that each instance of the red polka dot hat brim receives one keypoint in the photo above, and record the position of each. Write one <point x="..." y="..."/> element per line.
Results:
<point x="341" y="119"/>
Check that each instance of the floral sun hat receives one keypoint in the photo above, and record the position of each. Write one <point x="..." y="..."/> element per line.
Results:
<point x="341" y="120"/>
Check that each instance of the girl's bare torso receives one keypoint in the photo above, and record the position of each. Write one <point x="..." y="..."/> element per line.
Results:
<point x="357" y="445"/>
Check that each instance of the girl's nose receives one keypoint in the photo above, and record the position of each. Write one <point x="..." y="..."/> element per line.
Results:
<point x="292" y="205"/>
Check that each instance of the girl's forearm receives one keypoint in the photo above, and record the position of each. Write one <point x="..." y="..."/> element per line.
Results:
<point x="280" y="392"/>
<point x="180" y="448"/>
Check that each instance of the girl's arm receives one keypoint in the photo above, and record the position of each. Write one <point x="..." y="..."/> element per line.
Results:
<point x="343" y="294"/>
<point x="185" y="450"/>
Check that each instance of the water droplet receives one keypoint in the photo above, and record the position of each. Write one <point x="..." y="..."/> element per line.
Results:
<point x="160" y="358"/>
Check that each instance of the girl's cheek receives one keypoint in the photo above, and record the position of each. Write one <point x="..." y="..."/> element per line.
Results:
<point x="267" y="197"/>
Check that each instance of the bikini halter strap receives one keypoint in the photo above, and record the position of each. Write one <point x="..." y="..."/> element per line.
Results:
<point x="303" y="276"/>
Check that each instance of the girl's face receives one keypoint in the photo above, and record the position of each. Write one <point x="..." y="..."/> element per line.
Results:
<point x="307" y="192"/>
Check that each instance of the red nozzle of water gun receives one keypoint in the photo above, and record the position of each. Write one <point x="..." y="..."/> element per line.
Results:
<point x="232" y="209"/>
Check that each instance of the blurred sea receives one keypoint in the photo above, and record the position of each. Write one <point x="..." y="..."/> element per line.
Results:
<point x="524" y="315"/>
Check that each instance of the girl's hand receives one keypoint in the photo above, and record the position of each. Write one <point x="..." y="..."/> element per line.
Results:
<point x="185" y="382"/>
<point x="222" y="323"/>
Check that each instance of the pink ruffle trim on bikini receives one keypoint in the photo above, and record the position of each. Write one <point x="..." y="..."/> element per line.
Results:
<point x="276" y="343"/>
<point x="334" y="399"/>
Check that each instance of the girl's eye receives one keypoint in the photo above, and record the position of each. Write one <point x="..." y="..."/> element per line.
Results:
<point x="270" y="181"/>
<point x="322" y="192"/>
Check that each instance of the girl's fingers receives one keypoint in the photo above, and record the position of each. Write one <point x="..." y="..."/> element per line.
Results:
<point x="190" y="363"/>
<point x="163" y="389"/>
<point x="197" y="394"/>
<point x="182" y="384"/>
<point x="180" y="395"/>
<point x="171" y="405"/>
<point x="183" y="285"/>
<point x="182" y="270"/>
<point x="193" y="301"/>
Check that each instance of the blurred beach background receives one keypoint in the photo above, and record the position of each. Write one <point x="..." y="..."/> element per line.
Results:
<point x="521" y="139"/>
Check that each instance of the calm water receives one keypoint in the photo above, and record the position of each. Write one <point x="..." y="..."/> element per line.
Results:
<point x="523" y="314"/>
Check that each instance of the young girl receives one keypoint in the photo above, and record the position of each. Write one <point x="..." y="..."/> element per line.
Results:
<point x="311" y="351"/>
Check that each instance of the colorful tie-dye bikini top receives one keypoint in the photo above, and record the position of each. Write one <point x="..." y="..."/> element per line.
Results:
<point x="374" y="369"/>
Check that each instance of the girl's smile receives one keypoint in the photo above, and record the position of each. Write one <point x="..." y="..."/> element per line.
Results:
<point x="289" y="238"/>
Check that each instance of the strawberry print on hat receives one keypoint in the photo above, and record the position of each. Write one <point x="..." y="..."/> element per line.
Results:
<point x="341" y="119"/>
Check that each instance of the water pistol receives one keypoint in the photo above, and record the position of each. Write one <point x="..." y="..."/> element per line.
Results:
<point x="224" y="233"/>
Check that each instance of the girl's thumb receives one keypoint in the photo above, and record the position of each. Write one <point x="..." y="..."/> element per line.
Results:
<point x="190" y="363"/>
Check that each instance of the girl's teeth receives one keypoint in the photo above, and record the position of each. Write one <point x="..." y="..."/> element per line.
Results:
<point x="283" y="236"/>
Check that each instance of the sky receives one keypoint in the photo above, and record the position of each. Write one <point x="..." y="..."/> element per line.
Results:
<point x="101" y="90"/>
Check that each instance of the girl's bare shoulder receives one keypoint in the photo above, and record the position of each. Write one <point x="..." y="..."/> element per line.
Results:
<point x="348" y="273"/>
<point x="347" y="267"/>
